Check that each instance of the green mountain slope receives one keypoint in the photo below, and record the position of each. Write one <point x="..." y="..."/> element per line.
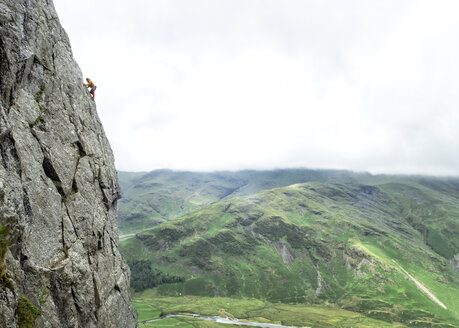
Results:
<point x="159" y="196"/>
<point x="383" y="247"/>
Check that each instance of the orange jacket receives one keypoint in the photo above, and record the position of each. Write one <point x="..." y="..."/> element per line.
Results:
<point x="90" y="84"/>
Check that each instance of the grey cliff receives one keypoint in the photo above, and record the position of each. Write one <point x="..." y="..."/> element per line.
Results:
<point x="58" y="183"/>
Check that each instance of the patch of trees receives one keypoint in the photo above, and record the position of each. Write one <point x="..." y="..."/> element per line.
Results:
<point x="143" y="276"/>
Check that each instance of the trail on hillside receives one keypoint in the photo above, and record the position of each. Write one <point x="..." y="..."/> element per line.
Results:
<point x="126" y="235"/>
<point x="422" y="287"/>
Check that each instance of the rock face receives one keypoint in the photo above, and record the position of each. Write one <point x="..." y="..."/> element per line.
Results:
<point x="455" y="263"/>
<point x="58" y="184"/>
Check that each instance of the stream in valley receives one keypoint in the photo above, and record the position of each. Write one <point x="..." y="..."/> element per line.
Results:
<point x="227" y="321"/>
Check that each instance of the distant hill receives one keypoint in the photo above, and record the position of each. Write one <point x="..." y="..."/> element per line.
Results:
<point x="159" y="196"/>
<point x="383" y="246"/>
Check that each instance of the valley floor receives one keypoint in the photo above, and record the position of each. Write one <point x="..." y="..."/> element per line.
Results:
<point x="252" y="310"/>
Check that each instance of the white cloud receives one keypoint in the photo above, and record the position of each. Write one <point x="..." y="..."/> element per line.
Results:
<point x="230" y="84"/>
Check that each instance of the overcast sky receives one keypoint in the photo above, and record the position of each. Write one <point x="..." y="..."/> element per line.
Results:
<point x="365" y="85"/>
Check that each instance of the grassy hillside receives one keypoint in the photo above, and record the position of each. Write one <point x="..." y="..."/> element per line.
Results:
<point x="377" y="247"/>
<point x="159" y="196"/>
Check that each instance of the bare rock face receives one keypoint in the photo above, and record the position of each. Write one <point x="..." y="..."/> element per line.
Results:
<point x="455" y="262"/>
<point x="58" y="184"/>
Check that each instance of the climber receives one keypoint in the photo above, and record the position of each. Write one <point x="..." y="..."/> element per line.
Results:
<point x="91" y="85"/>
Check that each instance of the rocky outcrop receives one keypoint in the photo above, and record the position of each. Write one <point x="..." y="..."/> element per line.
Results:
<point x="455" y="262"/>
<point x="58" y="184"/>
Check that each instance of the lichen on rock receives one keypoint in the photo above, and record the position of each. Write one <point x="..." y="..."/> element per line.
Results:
<point x="58" y="183"/>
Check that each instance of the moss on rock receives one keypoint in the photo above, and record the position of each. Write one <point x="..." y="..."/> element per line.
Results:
<point x="27" y="312"/>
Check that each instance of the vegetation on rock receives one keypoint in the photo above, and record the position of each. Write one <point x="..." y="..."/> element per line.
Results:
<point x="3" y="248"/>
<point x="27" y="312"/>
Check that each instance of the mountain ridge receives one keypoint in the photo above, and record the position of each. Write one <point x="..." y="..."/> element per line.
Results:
<point x="150" y="198"/>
